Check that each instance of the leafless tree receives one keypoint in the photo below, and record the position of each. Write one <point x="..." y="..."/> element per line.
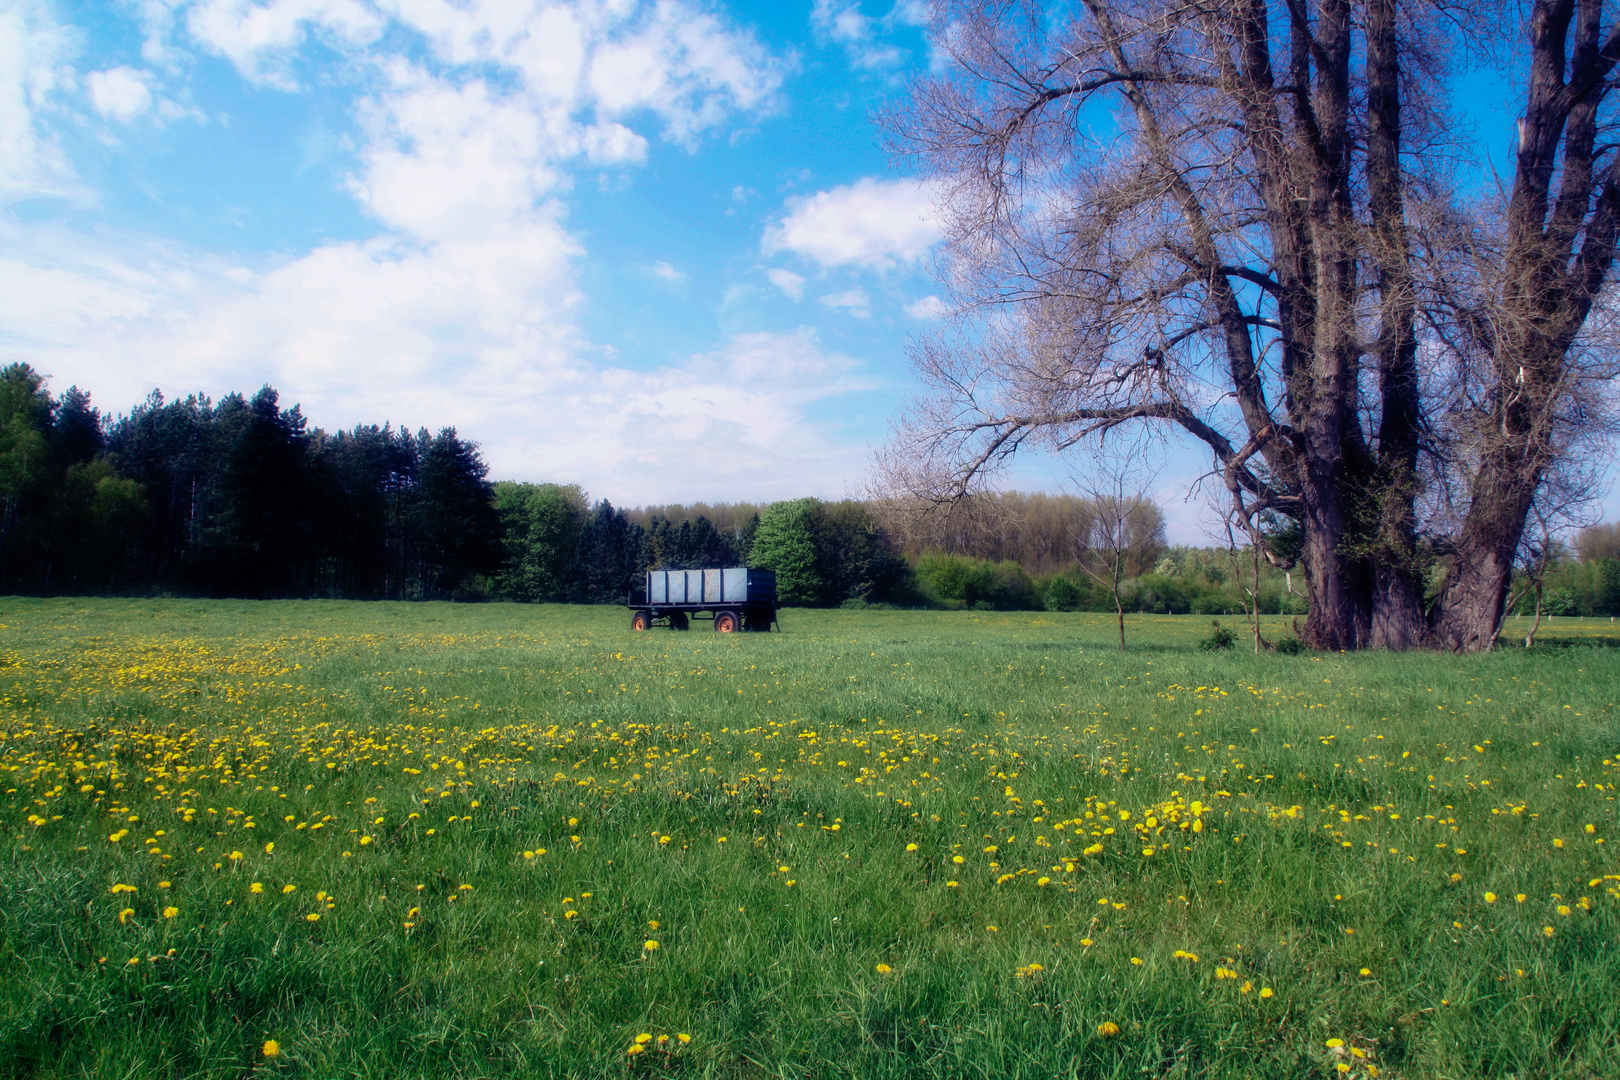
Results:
<point x="1123" y="523"/>
<point x="1238" y="218"/>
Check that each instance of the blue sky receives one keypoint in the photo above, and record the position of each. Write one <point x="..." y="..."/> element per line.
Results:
<point x="654" y="248"/>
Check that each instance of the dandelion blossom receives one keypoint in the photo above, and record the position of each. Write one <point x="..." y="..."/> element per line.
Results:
<point x="884" y="969"/>
<point x="636" y="1048"/>
<point x="1265" y="992"/>
<point x="1108" y="1029"/>
<point x="312" y="917"/>
<point x="683" y="1038"/>
<point x="271" y="1048"/>
<point x="1490" y="898"/>
<point x="170" y="912"/>
<point x="650" y="945"/>
<point x="256" y="887"/>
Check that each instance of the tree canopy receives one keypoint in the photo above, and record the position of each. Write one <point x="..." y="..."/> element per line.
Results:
<point x="1240" y="220"/>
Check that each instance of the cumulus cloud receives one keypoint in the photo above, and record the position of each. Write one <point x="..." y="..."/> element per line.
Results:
<point x="875" y="224"/>
<point x="668" y="273"/>
<point x="462" y="309"/>
<point x="854" y="301"/>
<point x="929" y="307"/>
<point x="842" y="21"/>
<point x="119" y="93"/>
<point x="34" y="50"/>
<point x="790" y="283"/>
<point x="262" y="38"/>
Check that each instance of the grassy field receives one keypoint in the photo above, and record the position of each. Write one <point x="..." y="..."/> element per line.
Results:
<point x="341" y="840"/>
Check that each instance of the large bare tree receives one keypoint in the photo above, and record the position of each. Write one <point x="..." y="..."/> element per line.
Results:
<point x="1241" y="218"/>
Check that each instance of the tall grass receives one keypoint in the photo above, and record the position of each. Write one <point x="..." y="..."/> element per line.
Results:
<point x="1296" y="863"/>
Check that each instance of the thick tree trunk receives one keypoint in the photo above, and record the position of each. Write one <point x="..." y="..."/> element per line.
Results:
<point x="1468" y="613"/>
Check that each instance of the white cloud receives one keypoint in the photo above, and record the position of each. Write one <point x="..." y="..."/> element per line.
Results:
<point x="841" y="21"/>
<point x="462" y="309"/>
<point x="668" y="273"/>
<point x="929" y="307"/>
<point x="262" y="39"/>
<point x="34" y="50"/>
<point x="854" y="301"/>
<point x="787" y="281"/>
<point x="120" y="93"/>
<point x="871" y="223"/>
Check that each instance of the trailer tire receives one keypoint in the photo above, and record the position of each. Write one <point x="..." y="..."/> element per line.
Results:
<point x="641" y="620"/>
<point x="726" y="622"/>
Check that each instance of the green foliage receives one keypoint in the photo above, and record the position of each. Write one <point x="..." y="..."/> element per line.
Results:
<point x="968" y="582"/>
<point x="1220" y="638"/>
<point x="786" y="543"/>
<point x="1320" y="766"/>
<point x="1063" y="595"/>
<point x="541" y="524"/>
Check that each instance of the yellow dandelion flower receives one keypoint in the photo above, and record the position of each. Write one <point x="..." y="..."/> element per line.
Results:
<point x="1490" y="898"/>
<point x="1334" y="1044"/>
<point x="650" y="945"/>
<point x="683" y="1038"/>
<point x="1107" y="1029"/>
<point x="1520" y="898"/>
<point x="1137" y="960"/>
<point x="123" y="916"/>
<point x="1085" y="942"/>
<point x="958" y="860"/>
<point x="636" y="1048"/>
<point x="950" y="884"/>
<point x="312" y="917"/>
<point x="884" y="969"/>
<point x="911" y="847"/>
<point x="1265" y="992"/>
<point x="643" y="1038"/>
<point x="256" y="887"/>
<point x="288" y="888"/>
<point x="1365" y="971"/>
<point x="170" y="912"/>
<point x="271" y="1048"/>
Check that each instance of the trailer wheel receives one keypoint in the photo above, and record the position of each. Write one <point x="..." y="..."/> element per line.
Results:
<point x="725" y="623"/>
<point x="641" y="620"/>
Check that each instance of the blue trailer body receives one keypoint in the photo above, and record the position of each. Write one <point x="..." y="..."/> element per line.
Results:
<point x="736" y="598"/>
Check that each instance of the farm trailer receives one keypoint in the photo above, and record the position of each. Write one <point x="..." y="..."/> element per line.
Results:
<point x="736" y="598"/>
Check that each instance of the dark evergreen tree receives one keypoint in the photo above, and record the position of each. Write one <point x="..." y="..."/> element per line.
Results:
<point x="456" y="527"/>
<point x="607" y="560"/>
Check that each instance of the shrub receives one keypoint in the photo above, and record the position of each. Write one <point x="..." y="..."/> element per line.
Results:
<point x="1222" y="638"/>
<point x="1062" y="595"/>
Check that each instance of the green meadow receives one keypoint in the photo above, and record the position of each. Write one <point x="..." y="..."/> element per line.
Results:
<point x="430" y="840"/>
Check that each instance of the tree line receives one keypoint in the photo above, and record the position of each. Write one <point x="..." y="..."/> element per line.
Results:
<point x="241" y="497"/>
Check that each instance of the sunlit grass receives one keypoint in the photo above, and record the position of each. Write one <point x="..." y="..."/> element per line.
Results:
<point x="434" y="840"/>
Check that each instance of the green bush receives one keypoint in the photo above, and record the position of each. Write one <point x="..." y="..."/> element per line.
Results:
<point x="1222" y="638"/>
<point x="1063" y="595"/>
